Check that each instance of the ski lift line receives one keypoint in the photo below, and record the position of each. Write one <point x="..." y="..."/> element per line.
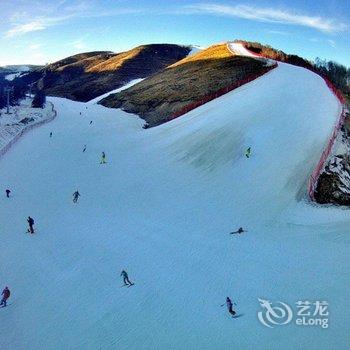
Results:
<point x="8" y="90"/>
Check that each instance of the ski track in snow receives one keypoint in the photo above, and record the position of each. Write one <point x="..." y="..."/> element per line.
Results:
<point x="162" y="209"/>
<point x="126" y="86"/>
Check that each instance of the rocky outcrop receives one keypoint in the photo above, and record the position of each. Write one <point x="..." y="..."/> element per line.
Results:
<point x="333" y="185"/>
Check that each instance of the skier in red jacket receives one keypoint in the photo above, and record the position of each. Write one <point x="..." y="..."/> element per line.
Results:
<point x="5" y="295"/>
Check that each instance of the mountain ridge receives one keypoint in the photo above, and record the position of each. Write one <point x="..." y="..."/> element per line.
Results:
<point x="85" y="76"/>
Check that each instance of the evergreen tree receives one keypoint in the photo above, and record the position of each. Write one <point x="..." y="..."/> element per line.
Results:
<point x="39" y="99"/>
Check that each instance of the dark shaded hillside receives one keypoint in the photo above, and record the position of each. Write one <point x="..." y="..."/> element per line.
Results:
<point x="155" y="99"/>
<point x="85" y="76"/>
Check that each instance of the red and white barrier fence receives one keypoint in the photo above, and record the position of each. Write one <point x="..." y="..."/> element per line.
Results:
<point x="325" y="154"/>
<point x="219" y="93"/>
<point x="312" y="184"/>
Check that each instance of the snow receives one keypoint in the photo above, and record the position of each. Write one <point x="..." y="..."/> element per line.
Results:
<point x="239" y="49"/>
<point x="195" y="49"/>
<point x="12" y="76"/>
<point x="162" y="208"/>
<point x="11" y="127"/>
<point x="18" y="70"/>
<point x="126" y="86"/>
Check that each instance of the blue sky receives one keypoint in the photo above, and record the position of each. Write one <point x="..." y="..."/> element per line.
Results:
<point x="40" y="31"/>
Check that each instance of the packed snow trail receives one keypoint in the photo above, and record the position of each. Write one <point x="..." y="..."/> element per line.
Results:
<point x="126" y="86"/>
<point x="162" y="209"/>
<point x="239" y="49"/>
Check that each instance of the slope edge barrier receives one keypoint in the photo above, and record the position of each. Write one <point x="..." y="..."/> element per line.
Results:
<point x="312" y="183"/>
<point x="26" y="129"/>
<point x="220" y="92"/>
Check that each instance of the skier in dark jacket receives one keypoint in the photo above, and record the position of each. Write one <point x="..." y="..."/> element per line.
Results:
<point x="229" y="305"/>
<point x="51" y="134"/>
<point x="84" y="149"/>
<point x="126" y="278"/>
<point x="31" y="223"/>
<point x="76" y="195"/>
<point x="5" y="295"/>
<point x="8" y="193"/>
<point x="103" y="158"/>
<point x="239" y="231"/>
<point x="248" y="152"/>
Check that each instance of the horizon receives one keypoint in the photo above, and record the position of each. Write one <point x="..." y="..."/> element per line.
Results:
<point x="38" y="33"/>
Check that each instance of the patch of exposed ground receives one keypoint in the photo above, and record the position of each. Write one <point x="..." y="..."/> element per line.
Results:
<point x="333" y="186"/>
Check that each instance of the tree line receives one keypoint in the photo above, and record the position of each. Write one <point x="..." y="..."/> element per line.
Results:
<point x="19" y="89"/>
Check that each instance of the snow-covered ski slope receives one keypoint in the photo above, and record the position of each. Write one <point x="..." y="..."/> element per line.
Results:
<point x="239" y="49"/>
<point x="162" y="208"/>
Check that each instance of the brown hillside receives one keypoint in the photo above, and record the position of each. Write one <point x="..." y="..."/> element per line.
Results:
<point x="84" y="76"/>
<point x="184" y="82"/>
<point x="79" y="59"/>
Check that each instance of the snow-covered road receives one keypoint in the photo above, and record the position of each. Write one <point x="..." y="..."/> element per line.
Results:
<point x="162" y="208"/>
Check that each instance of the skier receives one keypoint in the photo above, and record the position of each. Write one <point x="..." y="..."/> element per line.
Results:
<point x="84" y="148"/>
<point x="51" y="134"/>
<point x="103" y="158"/>
<point x="126" y="278"/>
<point x="90" y="122"/>
<point x="31" y="223"/>
<point x="229" y="305"/>
<point x="5" y="295"/>
<point x="76" y="195"/>
<point x="248" y="152"/>
<point x="239" y="231"/>
<point x="8" y="193"/>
